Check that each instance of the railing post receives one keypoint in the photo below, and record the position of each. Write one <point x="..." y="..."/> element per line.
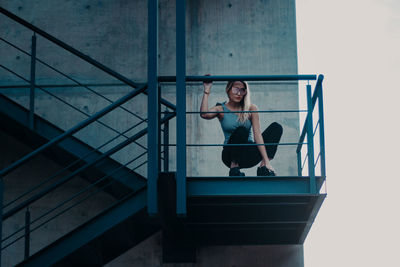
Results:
<point x="159" y="128"/>
<point x="299" y="169"/>
<point x="27" y="232"/>
<point x="152" y="138"/>
<point x="166" y="145"/>
<point x="321" y="127"/>
<point x="181" y="107"/>
<point x="1" y="213"/>
<point x="310" y="142"/>
<point x="33" y="81"/>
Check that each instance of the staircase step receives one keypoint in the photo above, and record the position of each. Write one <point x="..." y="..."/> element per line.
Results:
<point x="14" y="121"/>
<point x="101" y="239"/>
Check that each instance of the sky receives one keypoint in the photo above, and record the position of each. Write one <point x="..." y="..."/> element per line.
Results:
<point x="356" y="45"/>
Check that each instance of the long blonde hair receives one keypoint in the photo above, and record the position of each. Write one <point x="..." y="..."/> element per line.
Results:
<point x="245" y="103"/>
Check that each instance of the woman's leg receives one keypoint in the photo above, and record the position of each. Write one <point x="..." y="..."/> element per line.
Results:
<point x="234" y="154"/>
<point x="272" y="134"/>
<point x="252" y="155"/>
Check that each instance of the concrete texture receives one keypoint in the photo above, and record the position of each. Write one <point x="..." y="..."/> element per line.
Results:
<point x="223" y="38"/>
<point x="24" y="179"/>
<point x="149" y="253"/>
<point x="235" y="37"/>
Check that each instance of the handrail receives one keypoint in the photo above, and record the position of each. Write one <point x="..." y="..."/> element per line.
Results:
<point x="240" y="78"/>
<point x="80" y="192"/>
<point x="78" y="84"/>
<point x="76" y="172"/>
<point x="97" y="149"/>
<point x="68" y="48"/>
<point x="78" y="53"/>
<point x="72" y="106"/>
<point x="73" y="130"/>
<point x="314" y="100"/>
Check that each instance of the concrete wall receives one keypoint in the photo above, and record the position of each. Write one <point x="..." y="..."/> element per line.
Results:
<point x="223" y="38"/>
<point x="25" y="178"/>
<point x="149" y="253"/>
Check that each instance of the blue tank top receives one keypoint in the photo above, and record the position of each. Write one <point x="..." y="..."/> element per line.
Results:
<point x="231" y="121"/>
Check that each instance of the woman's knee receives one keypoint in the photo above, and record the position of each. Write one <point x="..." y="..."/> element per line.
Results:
<point x="277" y="127"/>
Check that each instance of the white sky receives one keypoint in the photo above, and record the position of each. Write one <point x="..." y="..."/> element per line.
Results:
<point x="355" y="44"/>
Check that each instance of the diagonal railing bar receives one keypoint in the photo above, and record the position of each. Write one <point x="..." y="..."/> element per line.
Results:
<point x="73" y="130"/>
<point x="77" y="203"/>
<point x="72" y="174"/>
<point x="304" y="162"/>
<point x="319" y="155"/>
<point x="67" y="167"/>
<point x="316" y="128"/>
<point x="68" y="104"/>
<point x="70" y="78"/>
<point x="78" y="53"/>
<point x="76" y="195"/>
<point x="74" y="205"/>
<point x="69" y="48"/>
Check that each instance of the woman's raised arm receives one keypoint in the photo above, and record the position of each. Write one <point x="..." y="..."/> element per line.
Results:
<point x="204" y="104"/>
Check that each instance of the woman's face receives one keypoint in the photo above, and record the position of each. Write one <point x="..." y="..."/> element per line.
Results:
<point x="237" y="92"/>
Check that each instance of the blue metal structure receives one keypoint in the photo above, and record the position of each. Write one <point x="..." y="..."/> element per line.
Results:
<point x="152" y="106"/>
<point x="209" y="210"/>
<point x="181" y="106"/>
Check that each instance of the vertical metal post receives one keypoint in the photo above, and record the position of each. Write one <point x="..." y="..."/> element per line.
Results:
<point x="152" y="138"/>
<point x="27" y="232"/>
<point x="159" y="128"/>
<point x="321" y="127"/>
<point x="299" y="169"/>
<point x="181" y="107"/>
<point x="1" y="213"/>
<point x="310" y="142"/>
<point x="166" y="145"/>
<point x="33" y="81"/>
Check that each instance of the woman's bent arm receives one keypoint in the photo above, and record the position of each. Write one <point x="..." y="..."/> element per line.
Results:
<point x="204" y="108"/>
<point x="204" y="104"/>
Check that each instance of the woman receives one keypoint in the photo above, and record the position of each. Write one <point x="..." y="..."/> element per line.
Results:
<point x="237" y="130"/>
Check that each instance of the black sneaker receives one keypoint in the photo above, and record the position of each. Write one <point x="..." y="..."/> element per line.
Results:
<point x="263" y="171"/>
<point x="235" y="171"/>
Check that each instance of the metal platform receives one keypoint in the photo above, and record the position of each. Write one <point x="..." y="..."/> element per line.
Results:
<point x="244" y="210"/>
<point x="251" y="210"/>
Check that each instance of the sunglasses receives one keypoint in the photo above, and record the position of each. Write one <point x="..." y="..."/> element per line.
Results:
<point x="239" y="91"/>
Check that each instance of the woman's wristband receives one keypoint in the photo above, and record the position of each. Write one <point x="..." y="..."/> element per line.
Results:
<point x="207" y="93"/>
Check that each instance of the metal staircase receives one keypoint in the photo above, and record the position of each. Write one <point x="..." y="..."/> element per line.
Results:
<point x="103" y="235"/>
<point x="191" y="211"/>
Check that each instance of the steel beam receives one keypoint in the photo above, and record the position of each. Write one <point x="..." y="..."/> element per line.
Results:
<point x="32" y="84"/>
<point x="249" y="186"/>
<point x="310" y="141"/>
<point x="181" y="107"/>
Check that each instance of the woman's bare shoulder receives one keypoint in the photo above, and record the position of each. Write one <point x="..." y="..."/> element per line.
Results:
<point x="253" y="107"/>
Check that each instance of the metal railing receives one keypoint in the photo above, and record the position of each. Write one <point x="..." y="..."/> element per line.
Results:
<point x="308" y="130"/>
<point x="29" y="198"/>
